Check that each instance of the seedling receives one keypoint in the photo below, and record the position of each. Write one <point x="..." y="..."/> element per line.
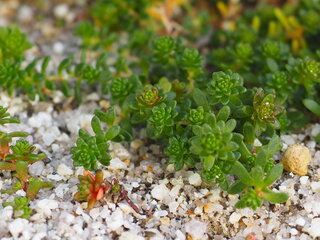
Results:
<point x="18" y="157"/>
<point x="93" y="188"/>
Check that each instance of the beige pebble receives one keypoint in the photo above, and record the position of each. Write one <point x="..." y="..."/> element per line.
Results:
<point x="296" y="159"/>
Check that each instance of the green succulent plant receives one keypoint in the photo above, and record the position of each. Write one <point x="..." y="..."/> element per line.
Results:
<point x="205" y="88"/>
<point x="20" y="206"/>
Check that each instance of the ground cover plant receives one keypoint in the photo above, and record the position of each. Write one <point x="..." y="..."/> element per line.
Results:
<point x="216" y="106"/>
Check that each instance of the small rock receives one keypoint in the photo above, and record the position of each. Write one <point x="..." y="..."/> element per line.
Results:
<point x="131" y="235"/>
<point x="288" y="139"/>
<point x="160" y="192"/>
<point x="293" y="231"/>
<point x="61" y="10"/>
<point x="40" y="119"/>
<point x="196" y="229"/>
<point x="173" y="206"/>
<point x="94" y="213"/>
<point x="234" y="218"/>
<point x="170" y="168"/>
<point x="300" y="221"/>
<point x="6" y="213"/>
<point x="93" y="97"/>
<point x="296" y="159"/>
<point x="25" y="13"/>
<point x="36" y="168"/>
<point x="195" y="179"/>
<point x="21" y="193"/>
<point x="58" y="47"/>
<point x="304" y="180"/>
<point x="121" y="151"/>
<point x="136" y="144"/>
<point x="314" y="229"/>
<point x="54" y="177"/>
<point x="64" y="170"/>
<point x="315" y="186"/>
<point x="161" y="213"/>
<point x="61" y="190"/>
<point x="45" y="205"/>
<point x="116" y="164"/>
<point x="17" y="226"/>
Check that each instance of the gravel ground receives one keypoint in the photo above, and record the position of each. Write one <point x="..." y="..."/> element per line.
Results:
<point x="178" y="204"/>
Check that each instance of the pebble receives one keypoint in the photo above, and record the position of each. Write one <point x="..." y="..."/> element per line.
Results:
<point x="288" y="139"/>
<point x="300" y="221"/>
<point x="161" y="213"/>
<point x="117" y="164"/>
<point x="49" y="135"/>
<point x="40" y="119"/>
<point x="54" y="177"/>
<point x="315" y="186"/>
<point x="121" y="151"/>
<point x="296" y="159"/>
<point x="304" y="180"/>
<point x="160" y="192"/>
<point x="136" y="144"/>
<point x="61" y="10"/>
<point x="21" y="193"/>
<point x="36" y="168"/>
<point x="94" y="213"/>
<point x="170" y="168"/>
<point x="64" y="170"/>
<point x="46" y="205"/>
<point x="314" y="229"/>
<point x="17" y="227"/>
<point x="315" y="130"/>
<point x="61" y="190"/>
<point x="131" y="235"/>
<point x="6" y="213"/>
<point x="173" y="206"/>
<point x="195" y="179"/>
<point x="25" y="13"/>
<point x="196" y="229"/>
<point x="234" y="218"/>
<point x="58" y="47"/>
<point x="293" y="231"/>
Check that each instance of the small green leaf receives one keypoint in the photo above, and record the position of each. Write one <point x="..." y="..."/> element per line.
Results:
<point x="77" y="91"/>
<point x="261" y="158"/>
<point x="109" y="117"/>
<point x="224" y="113"/>
<point x="274" y="146"/>
<point x="257" y="175"/>
<point x="274" y="173"/>
<point x="237" y="187"/>
<point x="165" y="84"/>
<point x="241" y="172"/>
<point x="200" y="98"/>
<point x="272" y="65"/>
<point x="112" y="132"/>
<point x="230" y="147"/>
<point x="312" y="106"/>
<point x="238" y="138"/>
<point x="248" y="132"/>
<point x="65" y="88"/>
<point x="230" y="125"/>
<point x="208" y="162"/>
<point x="45" y="64"/>
<point x="95" y="124"/>
<point x="274" y="197"/>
